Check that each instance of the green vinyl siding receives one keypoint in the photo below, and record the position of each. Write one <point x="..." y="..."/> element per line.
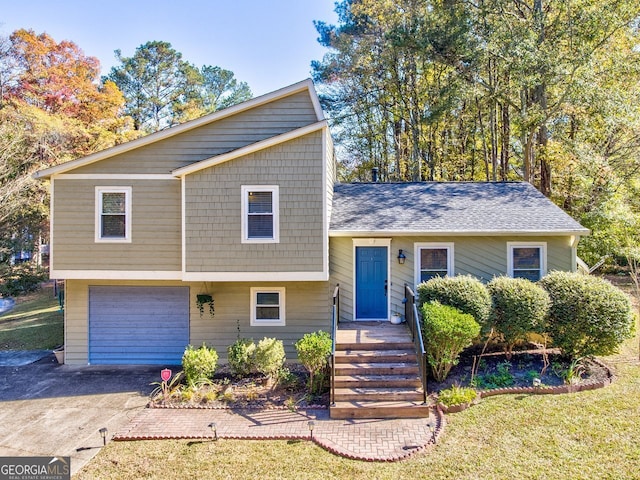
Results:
<point x="482" y="257"/>
<point x="307" y="310"/>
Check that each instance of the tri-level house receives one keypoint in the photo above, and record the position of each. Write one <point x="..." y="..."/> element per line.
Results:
<point x="242" y="207"/>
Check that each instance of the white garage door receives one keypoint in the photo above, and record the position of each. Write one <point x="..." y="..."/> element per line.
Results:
<point x="138" y="325"/>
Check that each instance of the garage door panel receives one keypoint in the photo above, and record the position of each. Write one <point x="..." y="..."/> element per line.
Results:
<point x="138" y="325"/>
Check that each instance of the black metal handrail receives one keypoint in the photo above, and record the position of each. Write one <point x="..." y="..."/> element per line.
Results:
<point x="413" y="321"/>
<point x="335" y="318"/>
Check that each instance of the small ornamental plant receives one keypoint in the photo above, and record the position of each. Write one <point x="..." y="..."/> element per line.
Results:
<point x="456" y="395"/>
<point x="241" y="357"/>
<point x="199" y="364"/>
<point x="269" y="357"/>
<point x="314" y="350"/>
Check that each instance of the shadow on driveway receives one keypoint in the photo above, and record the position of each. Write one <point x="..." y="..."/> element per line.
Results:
<point x="47" y="379"/>
<point x="47" y="409"/>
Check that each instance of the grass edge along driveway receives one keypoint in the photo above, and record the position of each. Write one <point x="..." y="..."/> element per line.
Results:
<point x="34" y="323"/>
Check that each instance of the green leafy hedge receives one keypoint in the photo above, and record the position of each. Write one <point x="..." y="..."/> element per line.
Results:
<point x="20" y="279"/>
<point x="519" y="307"/>
<point x="588" y="315"/>
<point x="463" y="292"/>
<point x="446" y="332"/>
<point x="313" y="351"/>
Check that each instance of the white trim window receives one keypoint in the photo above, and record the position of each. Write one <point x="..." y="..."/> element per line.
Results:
<point x="433" y="260"/>
<point x="260" y="214"/>
<point x="527" y="260"/>
<point x="113" y="214"/>
<point x="267" y="306"/>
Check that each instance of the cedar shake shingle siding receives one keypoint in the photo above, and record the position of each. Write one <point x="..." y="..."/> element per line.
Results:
<point x="213" y="216"/>
<point x="155" y="227"/>
<point x="219" y="137"/>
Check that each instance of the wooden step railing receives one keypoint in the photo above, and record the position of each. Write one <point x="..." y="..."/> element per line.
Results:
<point x="413" y="321"/>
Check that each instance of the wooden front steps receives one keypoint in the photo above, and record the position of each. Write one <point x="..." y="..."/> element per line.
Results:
<point x="376" y="373"/>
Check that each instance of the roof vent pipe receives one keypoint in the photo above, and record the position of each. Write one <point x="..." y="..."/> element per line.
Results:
<point x="374" y="174"/>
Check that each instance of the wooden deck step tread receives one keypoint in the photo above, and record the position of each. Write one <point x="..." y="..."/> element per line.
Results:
<point x="377" y="409"/>
<point x="381" y="394"/>
<point x="382" y="381"/>
<point x="376" y="368"/>
<point x="373" y="355"/>
<point x="345" y="346"/>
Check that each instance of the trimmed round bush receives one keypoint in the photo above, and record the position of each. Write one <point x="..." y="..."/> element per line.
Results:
<point x="241" y="357"/>
<point x="446" y="332"/>
<point x="199" y="364"/>
<point x="588" y="315"/>
<point x="269" y="357"/>
<point x="314" y="350"/>
<point x="464" y="292"/>
<point x="519" y="307"/>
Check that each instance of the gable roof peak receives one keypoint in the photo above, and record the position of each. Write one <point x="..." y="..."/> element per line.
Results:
<point x="306" y="84"/>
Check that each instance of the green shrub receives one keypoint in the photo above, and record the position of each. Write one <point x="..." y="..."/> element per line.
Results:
<point x="588" y="315"/>
<point x="20" y="279"/>
<point x="314" y="350"/>
<point x="464" y="292"/>
<point x="519" y="307"/>
<point x="199" y="364"/>
<point x="456" y="395"/>
<point x="447" y="331"/>
<point x="241" y="357"/>
<point x="269" y="357"/>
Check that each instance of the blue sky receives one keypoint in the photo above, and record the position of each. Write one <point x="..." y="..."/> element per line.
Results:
<point x="267" y="43"/>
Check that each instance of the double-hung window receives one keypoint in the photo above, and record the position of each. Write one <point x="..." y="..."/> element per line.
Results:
<point x="260" y="214"/>
<point x="527" y="260"/>
<point x="267" y="306"/>
<point x="113" y="214"/>
<point x="433" y="260"/>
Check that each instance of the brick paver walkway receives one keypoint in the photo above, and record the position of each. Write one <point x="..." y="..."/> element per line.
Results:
<point x="361" y="439"/>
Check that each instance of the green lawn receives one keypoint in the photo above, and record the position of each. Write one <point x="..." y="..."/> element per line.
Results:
<point x="35" y="323"/>
<point x="588" y="435"/>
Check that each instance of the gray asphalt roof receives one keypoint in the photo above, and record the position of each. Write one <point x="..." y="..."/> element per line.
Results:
<point x="455" y="207"/>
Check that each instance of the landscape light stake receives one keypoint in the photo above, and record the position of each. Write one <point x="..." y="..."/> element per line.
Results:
<point x="103" y="433"/>
<point x="431" y="425"/>
<point x="214" y="429"/>
<point x="311" y="424"/>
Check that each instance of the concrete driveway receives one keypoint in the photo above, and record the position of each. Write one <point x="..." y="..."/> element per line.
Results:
<point x="48" y="409"/>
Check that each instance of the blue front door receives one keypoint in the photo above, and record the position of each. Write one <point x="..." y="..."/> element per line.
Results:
<point x="371" y="283"/>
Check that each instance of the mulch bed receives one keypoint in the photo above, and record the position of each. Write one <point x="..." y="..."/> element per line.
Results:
<point x="497" y="374"/>
<point x="252" y="392"/>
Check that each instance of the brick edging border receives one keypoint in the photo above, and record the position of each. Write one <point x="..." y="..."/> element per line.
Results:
<point x="226" y="407"/>
<point x="547" y="390"/>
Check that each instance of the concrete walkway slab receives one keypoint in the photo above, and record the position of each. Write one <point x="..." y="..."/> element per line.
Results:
<point x="360" y="439"/>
